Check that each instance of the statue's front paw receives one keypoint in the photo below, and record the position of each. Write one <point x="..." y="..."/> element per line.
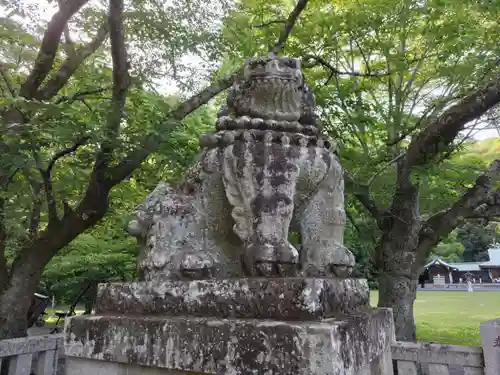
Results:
<point x="331" y="261"/>
<point x="272" y="260"/>
<point x="342" y="263"/>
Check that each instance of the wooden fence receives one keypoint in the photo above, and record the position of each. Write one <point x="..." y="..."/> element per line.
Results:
<point x="36" y="354"/>
<point x="435" y="359"/>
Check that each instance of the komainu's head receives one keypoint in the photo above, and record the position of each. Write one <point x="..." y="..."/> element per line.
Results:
<point x="271" y="88"/>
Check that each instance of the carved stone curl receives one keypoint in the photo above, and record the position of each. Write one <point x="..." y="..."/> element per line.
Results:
<point x="264" y="171"/>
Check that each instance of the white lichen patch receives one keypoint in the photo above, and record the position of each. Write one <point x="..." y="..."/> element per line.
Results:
<point x="310" y="297"/>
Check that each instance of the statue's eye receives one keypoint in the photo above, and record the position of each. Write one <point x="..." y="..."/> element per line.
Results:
<point x="291" y="63"/>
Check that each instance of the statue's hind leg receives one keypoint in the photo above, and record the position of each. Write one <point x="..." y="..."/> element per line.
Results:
<point x="322" y="228"/>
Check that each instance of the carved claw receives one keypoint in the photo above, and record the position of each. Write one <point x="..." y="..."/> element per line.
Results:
<point x="275" y="269"/>
<point x="336" y="261"/>
<point x="265" y="269"/>
<point x="281" y="253"/>
<point x="272" y="260"/>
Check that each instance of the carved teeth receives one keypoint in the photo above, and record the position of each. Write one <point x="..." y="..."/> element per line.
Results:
<point x="240" y="122"/>
<point x="224" y="120"/>
<point x="247" y="136"/>
<point x="285" y="140"/>
<point x="310" y="130"/>
<point x="268" y="137"/>
<point x="272" y="123"/>
<point x="257" y="122"/>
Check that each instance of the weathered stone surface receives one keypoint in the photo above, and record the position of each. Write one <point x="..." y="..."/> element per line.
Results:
<point x="263" y="171"/>
<point x="490" y="335"/>
<point x="83" y="366"/>
<point x="283" y="298"/>
<point x="233" y="346"/>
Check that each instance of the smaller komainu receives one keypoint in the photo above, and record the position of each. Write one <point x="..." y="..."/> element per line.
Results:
<point x="264" y="171"/>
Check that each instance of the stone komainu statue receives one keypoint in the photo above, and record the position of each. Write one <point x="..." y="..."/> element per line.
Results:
<point x="264" y="171"/>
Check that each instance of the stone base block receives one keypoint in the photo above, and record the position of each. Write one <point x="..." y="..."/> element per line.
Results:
<point x="355" y="345"/>
<point x="262" y="298"/>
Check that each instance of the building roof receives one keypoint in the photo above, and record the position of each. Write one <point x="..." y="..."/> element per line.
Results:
<point x="494" y="255"/>
<point x="439" y="262"/>
<point x="467" y="266"/>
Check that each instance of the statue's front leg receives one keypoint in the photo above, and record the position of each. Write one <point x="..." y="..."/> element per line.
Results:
<point x="322" y="228"/>
<point x="269" y="249"/>
<point x="260" y="181"/>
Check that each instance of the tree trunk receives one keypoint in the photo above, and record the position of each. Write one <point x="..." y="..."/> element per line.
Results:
<point x="399" y="292"/>
<point x="396" y="256"/>
<point x="16" y="297"/>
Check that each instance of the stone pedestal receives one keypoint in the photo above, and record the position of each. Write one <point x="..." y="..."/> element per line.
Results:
<point x="490" y="334"/>
<point x="232" y="327"/>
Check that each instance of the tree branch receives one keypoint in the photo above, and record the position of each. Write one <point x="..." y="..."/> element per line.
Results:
<point x="469" y="205"/>
<point x="69" y="150"/>
<point x="352" y="221"/>
<point x="46" y="175"/>
<point x="68" y="43"/>
<point x="80" y="94"/>
<point x="9" y="179"/>
<point x="488" y="210"/>
<point x="320" y="61"/>
<point x="48" y="49"/>
<point x="36" y="209"/>
<point x="150" y="142"/>
<point x="48" y="187"/>
<point x="268" y="23"/>
<point x="362" y="194"/>
<point x="290" y="23"/>
<point x="7" y="80"/>
<point x="121" y="81"/>
<point x="51" y="200"/>
<point x="387" y="165"/>
<point x="442" y="130"/>
<point x="71" y="64"/>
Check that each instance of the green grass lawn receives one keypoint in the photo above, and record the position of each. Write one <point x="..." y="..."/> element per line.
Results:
<point x="452" y="317"/>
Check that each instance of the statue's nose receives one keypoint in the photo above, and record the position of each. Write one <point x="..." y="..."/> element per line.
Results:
<point x="276" y="66"/>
